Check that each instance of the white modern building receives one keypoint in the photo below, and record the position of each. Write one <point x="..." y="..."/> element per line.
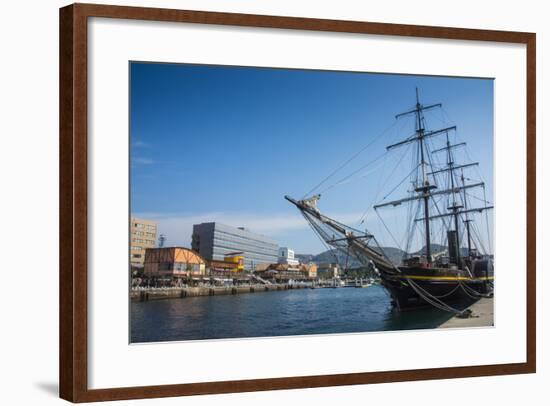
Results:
<point x="286" y="256"/>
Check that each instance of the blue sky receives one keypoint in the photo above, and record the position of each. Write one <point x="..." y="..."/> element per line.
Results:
<point x="215" y="143"/>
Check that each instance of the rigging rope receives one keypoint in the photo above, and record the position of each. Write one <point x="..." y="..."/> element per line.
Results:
<point x="487" y="223"/>
<point x="448" y="293"/>
<point x="379" y="186"/>
<point x="400" y="183"/>
<point x="477" y="198"/>
<point x="472" y="293"/>
<point x="344" y="164"/>
<point x="317" y="232"/>
<point x="353" y="173"/>
<point x="433" y="300"/>
<point x="387" y="229"/>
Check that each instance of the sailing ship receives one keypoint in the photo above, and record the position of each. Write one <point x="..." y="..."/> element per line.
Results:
<point x="439" y="196"/>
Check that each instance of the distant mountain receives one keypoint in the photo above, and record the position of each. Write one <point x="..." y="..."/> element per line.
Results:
<point x="337" y="256"/>
<point x="435" y="249"/>
<point x="394" y="254"/>
<point x="438" y="248"/>
<point x="304" y="258"/>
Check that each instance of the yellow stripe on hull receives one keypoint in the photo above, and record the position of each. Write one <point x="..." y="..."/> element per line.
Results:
<point x="445" y="278"/>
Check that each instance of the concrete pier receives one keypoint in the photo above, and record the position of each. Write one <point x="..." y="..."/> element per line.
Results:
<point x="171" y="293"/>
<point x="482" y="316"/>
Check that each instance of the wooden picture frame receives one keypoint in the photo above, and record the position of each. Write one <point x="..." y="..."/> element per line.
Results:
<point x="74" y="201"/>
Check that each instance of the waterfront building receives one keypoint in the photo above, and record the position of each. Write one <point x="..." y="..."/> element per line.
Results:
<point x="174" y="263"/>
<point x="237" y="259"/>
<point x="286" y="272"/>
<point x="143" y="235"/>
<point x="286" y="256"/>
<point x="214" y="241"/>
<point x="328" y="271"/>
<point x="232" y="263"/>
<point x="261" y="268"/>
<point x="311" y="270"/>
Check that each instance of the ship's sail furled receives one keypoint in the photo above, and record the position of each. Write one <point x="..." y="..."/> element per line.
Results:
<point x="350" y="241"/>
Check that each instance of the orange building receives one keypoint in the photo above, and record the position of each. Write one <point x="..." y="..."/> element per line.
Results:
<point x="173" y="261"/>
<point x="311" y="270"/>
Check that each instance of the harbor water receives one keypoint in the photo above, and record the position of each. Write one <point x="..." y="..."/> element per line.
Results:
<point x="277" y="313"/>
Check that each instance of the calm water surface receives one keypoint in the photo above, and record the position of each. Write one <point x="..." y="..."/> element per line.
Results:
<point x="277" y="313"/>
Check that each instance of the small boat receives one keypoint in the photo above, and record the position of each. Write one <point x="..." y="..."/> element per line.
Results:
<point x="363" y="285"/>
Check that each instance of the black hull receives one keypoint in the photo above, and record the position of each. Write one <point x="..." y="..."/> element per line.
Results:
<point x="448" y="286"/>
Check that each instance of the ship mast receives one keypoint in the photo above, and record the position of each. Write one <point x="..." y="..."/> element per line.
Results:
<point x="456" y="209"/>
<point x="424" y="189"/>
<point x="455" y="206"/>
<point x="467" y="221"/>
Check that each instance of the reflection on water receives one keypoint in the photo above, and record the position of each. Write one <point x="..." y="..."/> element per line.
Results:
<point x="277" y="313"/>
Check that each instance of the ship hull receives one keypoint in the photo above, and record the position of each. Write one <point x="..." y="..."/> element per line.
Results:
<point x="446" y="285"/>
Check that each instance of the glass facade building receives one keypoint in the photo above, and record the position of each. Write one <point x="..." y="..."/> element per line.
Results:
<point x="214" y="241"/>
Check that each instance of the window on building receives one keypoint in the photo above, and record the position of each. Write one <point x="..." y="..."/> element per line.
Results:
<point x="166" y="266"/>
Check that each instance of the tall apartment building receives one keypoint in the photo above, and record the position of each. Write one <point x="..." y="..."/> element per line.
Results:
<point x="143" y="235"/>
<point x="214" y="241"/>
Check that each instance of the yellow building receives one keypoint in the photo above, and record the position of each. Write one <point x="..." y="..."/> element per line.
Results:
<point x="236" y="258"/>
<point x="143" y="235"/>
<point x="232" y="263"/>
